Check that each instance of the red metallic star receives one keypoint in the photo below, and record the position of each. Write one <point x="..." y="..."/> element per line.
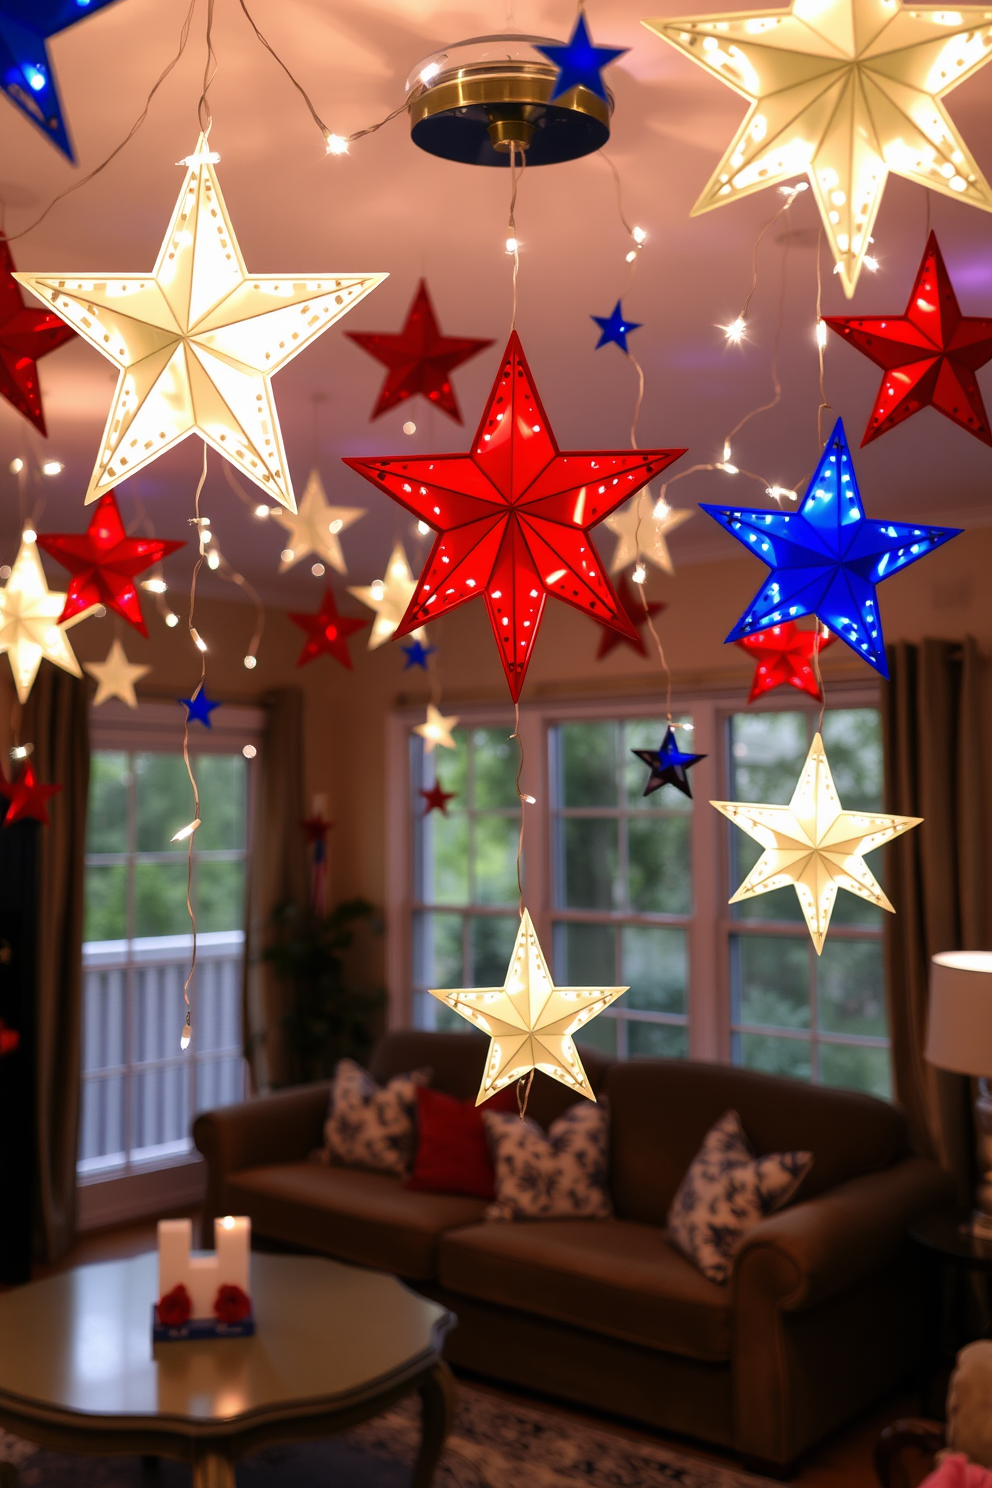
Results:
<point x="27" y="332"/>
<point x="634" y="609"/>
<point x="930" y="354"/>
<point x="26" y="797"/>
<point x="784" y="654"/>
<point x="104" y="562"/>
<point x="420" y="359"/>
<point x="513" y="518"/>
<point x="327" y="632"/>
<point x="437" y="799"/>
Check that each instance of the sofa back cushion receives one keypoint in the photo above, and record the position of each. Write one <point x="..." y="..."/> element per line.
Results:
<point x="661" y="1109"/>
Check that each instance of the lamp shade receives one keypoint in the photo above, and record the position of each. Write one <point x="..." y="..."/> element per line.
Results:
<point x="959" y="1027"/>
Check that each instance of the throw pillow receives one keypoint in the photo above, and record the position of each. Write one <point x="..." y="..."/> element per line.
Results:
<point x="452" y="1152"/>
<point x="561" y="1175"/>
<point x="726" y="1192"/>
<point x="369" y="1126"/>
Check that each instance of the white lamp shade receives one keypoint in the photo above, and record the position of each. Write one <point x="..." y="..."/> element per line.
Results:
<point x="959" y="1026"/>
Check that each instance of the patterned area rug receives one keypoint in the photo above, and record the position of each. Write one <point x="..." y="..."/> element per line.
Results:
<point x="494" y="1443"/>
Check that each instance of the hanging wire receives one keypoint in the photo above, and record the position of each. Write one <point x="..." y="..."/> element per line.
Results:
<point x="511" y="231"/>
<point x="821" y="343"/>
<point x="203" y="113"/>
<point x="198" y="522"/>
<point x="526" y="1081"/>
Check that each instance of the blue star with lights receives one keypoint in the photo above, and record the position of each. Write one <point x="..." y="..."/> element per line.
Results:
<point x="613" y="327"/>
<point x="26" y="72"/>
<point x="668" y="765"/>
<point x="827" y="557"/>
<point x="580" y="63"/>
<point x="199" y="708"/>
<point x="416" y="655"/>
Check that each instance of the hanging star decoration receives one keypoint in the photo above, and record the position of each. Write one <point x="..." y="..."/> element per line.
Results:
<point x="389" y="597"/>
<point x="436" y="730"/>
<point x="827" y="557"/>
<point x="437" y="799"/>
<point x="419" y="358"/>
<point x="417" y="655"/>
<point x="529" y="1020"/>
<point x="27" y="333"/>
<point x="104" y="563"/>
<point x="198" y="340"/>
<point x="199" y="707"/>
<point x="929" y="355"/>
<point x="843" y="91"/>
<point x="513" y="518"/>
<point x="642" y="532"/>
<point x="26" y="796"/>
<point x="613" y="328"/>
<point x="784" y="655"/>
<point x="316" y="527"/>
<point x="579" y="63"/>
<point x="669" y="765"/>
<point x="327" y="632"/>
<point x="115" y="677"/>
<point x="27" y="75"/>
<point x="638" y="617"/>
<point x="29" y="615"/>
<point x="815" y="845"/>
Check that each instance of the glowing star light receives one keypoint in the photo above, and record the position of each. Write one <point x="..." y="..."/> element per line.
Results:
<point x="27" y="75"/>
<point x="436" y="730"/>
<point x="669" y="765"/>
<point x="27" y="333"/>
<point x="529" y="1020"/>
<point x="843" y="91"/>
<point x="327" y="632"/>
<point x="26" y="797"/>
<point x="643" y="533"/>
<point x="316" y="527"/>
<point x="579" y="63"/>
<point x="389" y="597"/>
<point x="197" y="340"/>
<point x="115" y="677"/>
<point x="29" y="628"/>
<point x="827" y="557"/>
<point x="784" y="655"/>
<point x="815" y="845"/>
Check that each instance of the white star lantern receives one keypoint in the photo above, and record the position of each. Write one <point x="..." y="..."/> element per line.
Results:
<point x="315" y="528"/>
<point x="389" y="597"/>
<point x="530" y="1021"/>
<point x="642" y="533"/>
<point x="29" y="612"/>
<point x="844" y="91"/>
<point x="197" y="340"/>
<point x="115" y="677"/>
<point x="436" y="730"/>
<point x="815" y="845"/>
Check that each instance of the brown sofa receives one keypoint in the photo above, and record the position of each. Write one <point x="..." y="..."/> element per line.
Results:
<point x="817" y="1321"/>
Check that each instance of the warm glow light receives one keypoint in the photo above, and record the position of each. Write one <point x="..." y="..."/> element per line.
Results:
<point x="821" y="334"/>
<point x="115" y="677"/>
<point x="337" y="144"/>
<point x="154" y="586"/>
<point x="640" y="573"/>
<point x="251" y="662"/>
<point x="249" y="751"/>
<point x="317" y="569"/>
<point x="409" y="427"/>
<point x="512" y="245"/>
<point x="186" y="831"/>
<point x="726" y="466"/>
<point x="198" y="640"/>
<point x="734" y="332"/>
<point x="639" y="235"/>
<point x="262" y="511"/>
<point x="436" y="730"/>
<point x="781" y="493"/>
<point x="315" y="528"/>
<point x="171" y="620"/>
<point x="29" y="535"/>
<point x="213" y="559"/>
<point x="52" y="467"/>
<point x="389" y="598"/>
<point x="16" y="466"/>
<point x="29" y="611"/>
<point x="423" y="528"/>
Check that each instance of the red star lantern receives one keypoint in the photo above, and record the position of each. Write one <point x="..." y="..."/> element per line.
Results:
<point x="513" y="518"/>
<point x="104" y="563"/>
<point x="27" y="332"/>
<point x="327" y="632"/>
<point x="437" y="799"/>
<point x="420" y="359"/>
<point x="930" y="355"/>
<point x="634" y="609"/>
<point x="784" y="654"/>
<point x="25" y="797"/>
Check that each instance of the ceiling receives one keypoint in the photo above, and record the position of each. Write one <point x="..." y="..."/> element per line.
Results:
<point x="388" y="206"/>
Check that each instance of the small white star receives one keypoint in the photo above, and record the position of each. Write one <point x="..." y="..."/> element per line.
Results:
<point x="641" y="533"/>
<point x="437" y="730"/>
<point x="29" y="629"/>
<point x="389" y="597"/>
<point x="116" y="676"/>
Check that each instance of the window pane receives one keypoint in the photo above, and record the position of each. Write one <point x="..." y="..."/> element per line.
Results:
<point x="106" y="903"/>
<point x="490" y="948"/>
<point x="647" y="733"/>
<point x="222" y="779"/>
<point x="601" y="1034"/>
<point x="495" y="759"/>
<point x="653" y="963"/>
<point x="850" y="983"/>
<point x="767" y="753"/>
<point x="437" y="950"/>
<point x="106" y="818"/>
<point x="857" y="1068"/>
<point x="495" y="841"/>
<point x="656" y="1040"/>
<point x="659" y="880"/>
<point x="445" y="840"/>
<point x="853" y="741"/>
<point x="773" y="978"/>
<point x="589" y="863"/>
<point x="160" y="899"/>
<point x="588" y="762"/>
<point x="164" y="801"/>
<point x="776" y="1056"/>
<point x="220" y="895"/>
<point x="585" y="956"/>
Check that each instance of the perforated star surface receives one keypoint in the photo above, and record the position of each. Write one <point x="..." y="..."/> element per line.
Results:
<point x="327" y="632"/>
<point x="29" y="629"/>
<point x="27" y="74"/>
<point x="27" y="333"/>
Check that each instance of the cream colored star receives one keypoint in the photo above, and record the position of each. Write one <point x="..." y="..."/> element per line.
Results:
<point x="642" y="533"/>
<point x="437" y="730"/>
<point x="116" y="676"/>
<point x="529" y="1020"/>
<point x="389" y="597"/>
<point x="197" y="340"/>
<point x="29" y="629"/>
<point x="844" y="91"/>
<point x="316" y="526"/>
<point x="815" y="845"/>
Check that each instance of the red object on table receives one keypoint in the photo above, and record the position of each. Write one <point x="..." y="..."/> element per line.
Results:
<point x="175" y="1307"/>
<point x="231" y="1304"/>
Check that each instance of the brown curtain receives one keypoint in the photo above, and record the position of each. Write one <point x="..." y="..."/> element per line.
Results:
<point x="56" y="722"/>
<point x="277" y="872"/>
<point x="937" y="875"/>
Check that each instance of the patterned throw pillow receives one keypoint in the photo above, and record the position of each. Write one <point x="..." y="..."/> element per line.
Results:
<point x="561" y="1175"/>
<point x="371" y="1126"/>
<point x="726" y="1192"/>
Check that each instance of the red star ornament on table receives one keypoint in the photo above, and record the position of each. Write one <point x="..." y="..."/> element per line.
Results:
<point x="513" y="518"/>
<point x="104" y="563"/>
<point x="27" y="333"/>
<point x="419" y="358"/>
<point x="437" y="799"/>
<point x="784" y="654"/>
<point x="929" y="355"/>
<point x="638" y="617"/>
<point x="327" y="632"/>
<point x="25" y="797"/>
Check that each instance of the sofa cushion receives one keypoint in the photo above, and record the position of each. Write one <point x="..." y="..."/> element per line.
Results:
<point x="368" y="1126"/>
<point x="557" y="1175"/>
<point x="351" y="1214"/>
<point x="608" y="1276"/>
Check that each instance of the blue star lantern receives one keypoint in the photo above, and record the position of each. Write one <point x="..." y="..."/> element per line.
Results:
<point x="668" y="765"/>
<point x="827" y="557"/>
<point x="26" y="72"/>
<point x="416" y="655"/>
<point x="199" y="708"/>
<point x="613" y="327"/>
<point x="580" y="63"/>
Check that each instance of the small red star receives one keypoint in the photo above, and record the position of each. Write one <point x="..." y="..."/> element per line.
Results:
<point x="638" y="617"/>
<point x="26" y="797"/>
<point x="930" y="355"/>
<point x="437" y="799"/>
<point x="316" y="827"/>
<point x="327" y="632"/>
<point x="420" y="359"/>
<point x="104" y="562"/>
<point x="27" y="332"/>
<point x="784" y="653"/>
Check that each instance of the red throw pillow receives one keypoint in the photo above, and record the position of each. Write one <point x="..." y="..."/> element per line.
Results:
<point x="452" y="1151"/>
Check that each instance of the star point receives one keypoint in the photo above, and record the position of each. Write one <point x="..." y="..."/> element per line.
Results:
<point x="27" y="333"/>
<point x="29" y="622"/>
<point x="115" y="677"/>
<point x="27" y="73"/>
<point x="315" y="527"/>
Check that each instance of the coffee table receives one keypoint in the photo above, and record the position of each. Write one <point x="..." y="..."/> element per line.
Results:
<point x="334" y="1346"/>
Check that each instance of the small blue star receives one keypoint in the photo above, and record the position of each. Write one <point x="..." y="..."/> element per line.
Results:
<point x="416" y="655"/>
<point x="668" y="765"/>
<point x="26" y="72"/>
<point x="579" y="63"/>
<point x="613" y="327"/>
<point x="199" y="708"/>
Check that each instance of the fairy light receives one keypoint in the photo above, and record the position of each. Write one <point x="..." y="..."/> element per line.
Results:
<point x="870" y="263"/>
<point x="287" y="555"/>
<point x="262" y="511"/>
<point x="409" y="427"/>
<point x="318" y="570"/>
<point x="29" y="535"/>
<point x="21" y="751"/>
<point x="198" y="640"/>
<point x="661" y="509"/>
<point x="423" y="528"/>
<point x="734" y="332"/>
<point x="529" y="800"/>
<point x="249" y="751"/>
<point x="640" y="574"/>
<point x="631" y="256"/>
<point x="428" y="73"/>
<point x="213" y="559"/>
<point x="186" y="831"/>
<point x="377" y="589"/>
<point x="172" y="619"/>
<point x="251" y="662"/>
<point x="336" y="144"/>
<point x="729" y="469"/>
<point x="639" y="236"/>
<point x="154" y="586"/>
<point x="821" y="334"/>
<point x="52" y="467"/>
<point x="187" y="1034"/>
<point x="781" y="493"/>
<point x="512" y="245"/>
<point x="16" y="466"/>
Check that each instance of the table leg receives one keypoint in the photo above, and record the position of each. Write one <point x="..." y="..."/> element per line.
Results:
<point x="213" y="1470"/>
<point x="438" y="1398"/>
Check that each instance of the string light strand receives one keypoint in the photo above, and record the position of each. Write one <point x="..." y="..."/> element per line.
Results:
<point x="189" y="831"/>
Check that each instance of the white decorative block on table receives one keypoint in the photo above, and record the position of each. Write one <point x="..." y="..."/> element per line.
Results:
<point x="212" y="1289"/>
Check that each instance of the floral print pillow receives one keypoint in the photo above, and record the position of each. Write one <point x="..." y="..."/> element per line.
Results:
<point x="371" y="1126"/>
<point x="561" y="1175"/>
<point x="726" y="1192"/>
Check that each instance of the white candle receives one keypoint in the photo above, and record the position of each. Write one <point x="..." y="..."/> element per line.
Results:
<point x="232" y="1241"/>
<point x="174" y="1239"/>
